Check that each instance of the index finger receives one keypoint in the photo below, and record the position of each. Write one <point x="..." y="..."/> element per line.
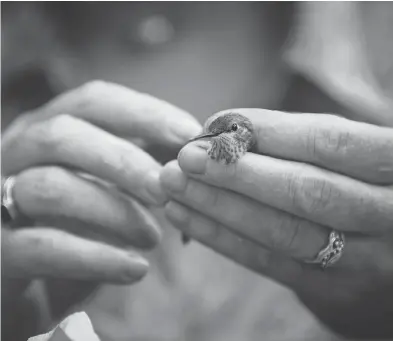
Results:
<point x="357" y="149"/>
<point x="124" y="112"/>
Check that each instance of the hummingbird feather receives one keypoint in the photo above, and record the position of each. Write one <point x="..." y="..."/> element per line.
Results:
<point x="231" y="135"/>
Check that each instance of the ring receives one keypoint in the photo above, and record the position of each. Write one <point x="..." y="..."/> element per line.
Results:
<point x="332" y="252"/>
<point x="8" y="206"/>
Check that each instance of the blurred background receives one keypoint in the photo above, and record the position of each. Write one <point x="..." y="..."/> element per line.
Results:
<point x="202" y="57"/>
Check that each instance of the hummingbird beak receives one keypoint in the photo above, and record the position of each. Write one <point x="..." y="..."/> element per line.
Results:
<point x="201" y="137"/>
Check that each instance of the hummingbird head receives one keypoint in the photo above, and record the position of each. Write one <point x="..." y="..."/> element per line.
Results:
<point x="231" y="135"/>
<point x="230" y="125"/>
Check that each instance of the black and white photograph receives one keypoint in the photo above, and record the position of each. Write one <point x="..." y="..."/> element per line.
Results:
<point x="196" y="170"/>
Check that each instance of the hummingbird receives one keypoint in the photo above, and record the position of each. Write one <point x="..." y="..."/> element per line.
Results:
<point x="231" y="135"/>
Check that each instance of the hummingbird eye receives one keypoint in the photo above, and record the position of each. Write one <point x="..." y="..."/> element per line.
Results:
<point x="234" y="127"/>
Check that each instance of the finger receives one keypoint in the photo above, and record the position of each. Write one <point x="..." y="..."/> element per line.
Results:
<point x="360" y="254"/>
<point x="49" y="253"/>
<point x="360" y="150"/>
<point x="308" y="281"/>
<point x="124" y="112"/>
<point x="56" y="192"/>
<point x="230" y="245"/>
<point x="306" y="191"/>
<point x="273" y="229"/>
<point x="78" y="144"/>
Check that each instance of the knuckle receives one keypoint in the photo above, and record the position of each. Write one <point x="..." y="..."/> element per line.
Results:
<point x="93" y="90"/>
<point x="122" y="164"/>
<point x="384" y="165"/>
<point x="323" y="142"/>
<point x="44" y="186"/>
<point x="310" y="194"/>
<point x="285" y="233"/>
<point x="58" y="123"/>
<point x="89" y="94"/>
<point x="51" y="132"/>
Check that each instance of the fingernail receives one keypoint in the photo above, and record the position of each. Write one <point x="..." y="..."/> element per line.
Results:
<point x="193" y="159"/>
<point x="176" y="212"/>
<point x="146" y="232"/>
<point x="155" y="192"/>
<point x="173" y="179"/>
<point x="137" y="267"/>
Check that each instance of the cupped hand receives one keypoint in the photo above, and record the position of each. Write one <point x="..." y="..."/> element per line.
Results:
<point x="273" y="211"/>
<point x="84" y="186"/>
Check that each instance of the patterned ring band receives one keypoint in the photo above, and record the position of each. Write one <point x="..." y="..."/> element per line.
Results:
<point x="332" y="252"/>
<point x="8" y="206"/>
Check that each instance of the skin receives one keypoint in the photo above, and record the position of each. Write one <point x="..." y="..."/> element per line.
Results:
<point x="80" y="181"/>
<point x="103" y="50"/>
<point x="273" y="210"/>
<point x="247" y="32"/>
<point x="226" y="144"/>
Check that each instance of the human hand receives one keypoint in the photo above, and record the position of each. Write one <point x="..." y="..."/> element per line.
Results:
<point x="85" y="186"/>
<point x="273" y="212"/>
